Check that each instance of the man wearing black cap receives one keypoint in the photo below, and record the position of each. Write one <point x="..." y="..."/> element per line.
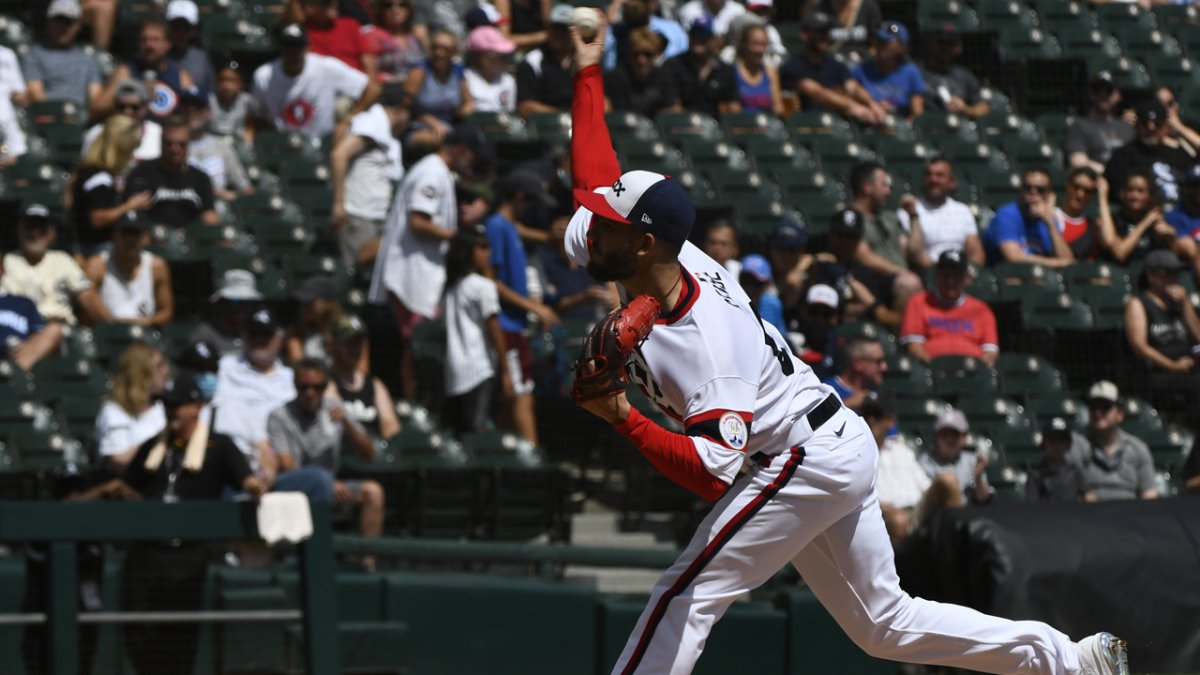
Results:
<point x="51" y="279"/>
<point x="789" y="261"/>
<point x="706" y="84"/>
<point x="1163" y="330"/>
<point x="823" y="82"/>
<point x="213" y="154"/>
<point x="410" y="268"/>
<point x="952" y="87"/>
<point x="1092" y="139"/>
<point x="188" y="461"/>
<point x="1055" y="478"/>
<point x="298" y="91"/>
<point x="134" y="284"/>
<point x="180" y="194"/>
<point x="364" y="165"/>
<point x="948" y="321"/>
<point x="1148" y="153"/>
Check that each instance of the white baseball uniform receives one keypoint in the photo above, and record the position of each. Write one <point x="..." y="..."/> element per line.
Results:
<point x="792" y="472"/>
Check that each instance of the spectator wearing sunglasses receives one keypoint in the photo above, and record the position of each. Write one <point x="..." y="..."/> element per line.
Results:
<point x="1149" y="153"/>
<point x="863" y="374"/>
<point x="57" y="69"/>
<point x="1019" y="232"/>
<point x="130" y="99"/>
<point x="1116" y="464"/>
<point x="181" y="194"/>
<point x="639" y="84"/>
<point x="1081" y="233"/>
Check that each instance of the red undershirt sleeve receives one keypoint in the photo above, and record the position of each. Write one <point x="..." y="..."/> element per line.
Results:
<point x="593" y="161"/>
<point x="674" y="455"/>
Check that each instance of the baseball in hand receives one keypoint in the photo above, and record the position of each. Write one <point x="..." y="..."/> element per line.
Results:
<point x="587" y="20"/>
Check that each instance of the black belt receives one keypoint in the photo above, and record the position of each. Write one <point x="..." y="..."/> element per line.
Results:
<point x="816" y="417"/>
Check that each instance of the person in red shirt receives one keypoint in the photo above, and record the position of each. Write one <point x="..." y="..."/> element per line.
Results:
<point x="338" y="36"/>
<point x="946" y="320"/>
<point x="1082" y="235"/>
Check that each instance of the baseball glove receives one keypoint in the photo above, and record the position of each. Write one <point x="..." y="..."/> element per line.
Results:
<point x="608" y="347"/>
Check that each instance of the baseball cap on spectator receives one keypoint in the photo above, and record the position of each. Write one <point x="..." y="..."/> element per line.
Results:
<point x="237" y="285"/>
<point x="951" y="419"/>
<point x="701" y="29"/>
<point x="489" y="39"/>
<point x="946" y="32"/>
<point x="194" y="96"/>
<point x="348" y="326"/>
<point x="525" y="182"/>
<point x="952" y="259"/>
<point x="757" y="267"/>
<point x="468" y="136"/>
<point x="65" y="9"/>
<point x="319" y="287"/>
<point x="37" y="212"/>
<point x="560" y="15"/>
<point x="1162" y="259"/>
<point x="131" y="89"/>
<point x="130" y="221"/>
<point x="892" y="30"/>
<point x="847" y="223"/>
<point x="654" y="202"/>
<point x="817" y="21"/>
<point x="822" y="294"/>
<point x="1192" y="176"/>
<point x="262" y="322"/>
<point x="1105" y="391"/>
<point x="1056" y="427"/>
<point x="789" y="232"/>
<point x="181" y="391"/>
<point x="1103" y="79"/>
<point x="482" y="15"/>
<point x="878" y="405"/>
<point x="200" y="356"/>
<point x="394" y="93"/>
<point x="184" y="10"/>
<point x="293" y="35"/>
<point x="1151" y="111"/>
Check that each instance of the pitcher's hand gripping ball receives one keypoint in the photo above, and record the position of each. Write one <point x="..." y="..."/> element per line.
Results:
<point x="600" y="369"/>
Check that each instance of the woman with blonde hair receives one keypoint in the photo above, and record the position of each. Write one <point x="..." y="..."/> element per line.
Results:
<point x="132" y="415"/>
<point x="757" y="80"/>
<point x="96" y="186"/>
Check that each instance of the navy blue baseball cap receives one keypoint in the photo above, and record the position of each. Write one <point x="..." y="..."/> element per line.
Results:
<point x="789" y="233"/>
<point x="649" y="200"/>
<point x="892" y="30"/>
<point x="1192" y="177"/>
<point x="701" y="29"/>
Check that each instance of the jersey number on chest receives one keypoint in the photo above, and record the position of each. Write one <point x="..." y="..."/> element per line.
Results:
<point x="645" y="381"/>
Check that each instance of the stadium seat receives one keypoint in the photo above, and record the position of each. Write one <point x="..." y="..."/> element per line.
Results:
<point x="628" y="125"/>
<point x="13" y="33"/>
<point x="1006" y="14"/>
<point x="1082" y="41"/>
<point x="900" y="155"/>
<point x="757" y="215"/>
<point x="1107" y="303"/>
<point x="915" y="416"/>
<point x="907" y="377"/>
<point x="1113" y="16"/>
<point x="1053" y="311"/>
<point x="936" y="126"/>
<point x="1054" y="127"/>
<point x="679" y="125"/>
<point x="1143" y="44"/>
<point x="775" y="158"/>
<point x="659" y="157"/>
<point x="705" y="153"/>
<point x="1026" y="274"/>
<point x="1019" y="446"/>
<point x="955" y="376"/>
<point x="17" y="414"/>
<point x="64" y="112"/>
<point x="1044" y="406"/>
<point x="1022" y="43"/>
<point x="737" y="185"/>
<point x="743" y="125"/>
<point x="1127" y="73"/>
<point x="988" y="413"/>
<point x="45" y="449"/>
<point x="837" y="156"/>
<point x="447" y="503"/>
<point x="1025" y="151"/>
<point x="77" y="416"/>
<point x="808" y="124"/>
<point x="1027" y="375"/>
<point x="59" y="378"/>
<point x="1055" y="14"/>
<point x="1178" y="72"/>
<point x="551" y="127"/>
<point x="282" y="238"/>
<point x="953" y="12"/>
<point x="526" y="503"/>
<point x="996" y="99"/>
<point x="14" y="382"/>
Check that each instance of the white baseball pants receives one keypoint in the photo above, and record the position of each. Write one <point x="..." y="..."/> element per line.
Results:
<point x="818" y="510"/>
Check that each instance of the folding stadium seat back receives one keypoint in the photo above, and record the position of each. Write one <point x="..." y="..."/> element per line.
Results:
<point x="1083" y="41"/>
<point x="300" y="174"/>
<point x="1006" y="14"/>
<point x="959" y="375"/>
<point x="62" y="112"/>
<point x="900" y="155"/>
<point x="14" y="382"/>
<point x="754" y="124"/>
<point x="1127" y="73"/>
<point x="448" y="502"/>
<point x="678" y="125"/>
<point x="915" y="416"/>
<point x="705" y="154"/>
<point x="1177" y="72"/>
<point x="658" y="156"/>
<point x="1115" y="16"/>
<point x="806" y="124"/>
<point x="838" y="156"/>
<point x="77" y="416"/>
<point x="1028" y="375"/>
<point x="282" y="239"/>
<point x="1054" y="127"/>
<point x="523" y="504"/>
<point x="953" y="12"/>
<point x="1045" y="406"/>
<point x="631" y="125"/>
<point x="775" y="158"/>
<point x="1056" y="311"/>
<point x="1018" y="445"/>
<point x="1057" y="13"/>
<point x="996" y="99"/>
<point x="1019" y="42"/>
<point x="13" y="33"/>
<point x="551" y="127"/>
<point x="1107" y="303"/>
<point x="907" y="377"/>
<point x="757" y="216"/>
<point x="1025" y="274"/>
<point x="1147" y="44"/>
<point x="1032" y="152"/>
<point x="988" y="413"/>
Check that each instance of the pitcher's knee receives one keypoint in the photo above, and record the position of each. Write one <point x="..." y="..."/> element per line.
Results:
<point x="879" y="636"/>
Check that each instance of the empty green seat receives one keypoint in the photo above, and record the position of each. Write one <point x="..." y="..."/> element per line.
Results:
<point x="908" y="377"/>
<point x="551" y="127"/>
<point x="753" y="124"/>
<point x="677" y="125"/>
<point x="630" y="125"/>
<point x="987" y="413"/>
<point x="959" y="375"/>
<point x="705" y="153"/>
<point x="1027" y="375"/>
<point x="806" y="124"/>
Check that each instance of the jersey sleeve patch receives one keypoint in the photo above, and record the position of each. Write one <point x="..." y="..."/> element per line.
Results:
<point x="727" y="427"/>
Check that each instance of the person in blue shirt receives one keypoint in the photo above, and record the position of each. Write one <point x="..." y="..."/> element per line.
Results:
<point x="1019" y="231"/>
<point x="1185" y="218"/>
<point x="23" y="339"/>
<point x="889" y="77"/>
<point x="515" y="193"/>
<point x="755" y="279"/>
<point x="636" y="14"/>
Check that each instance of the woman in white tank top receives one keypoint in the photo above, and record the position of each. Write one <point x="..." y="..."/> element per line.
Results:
<point x="125" y="278"/>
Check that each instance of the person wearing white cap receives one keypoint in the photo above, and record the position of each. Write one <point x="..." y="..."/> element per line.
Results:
<point x="948" y="457"/>
<point x="183" y="21"/>
<point x="720" y="13"/>
<point x="819" y="317"/>
<point x="57" y="69"/>
<point x="1116" y="464"/>
<point x="230" y="306"/>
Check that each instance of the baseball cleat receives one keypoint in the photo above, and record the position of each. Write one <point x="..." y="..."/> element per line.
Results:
<point x="1103" y="654"/>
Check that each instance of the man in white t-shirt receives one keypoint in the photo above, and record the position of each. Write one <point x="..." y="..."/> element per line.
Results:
<point x="410" y="268"/>
<point x="251" y="385"/>
<point x="298" y="91"/>
<point x="365" y="165"/>
<point x="942" y="223"/>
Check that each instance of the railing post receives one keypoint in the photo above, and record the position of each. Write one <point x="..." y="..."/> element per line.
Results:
<point x="317" y="595"/>
<point x="62" y="616"/>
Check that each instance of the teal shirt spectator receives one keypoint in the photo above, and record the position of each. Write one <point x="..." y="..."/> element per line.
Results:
<point x="1009" y="224"/>
<point x="894" y="89"/>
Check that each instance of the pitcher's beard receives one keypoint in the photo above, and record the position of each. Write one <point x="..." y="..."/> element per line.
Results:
<point x="611" y="269"/>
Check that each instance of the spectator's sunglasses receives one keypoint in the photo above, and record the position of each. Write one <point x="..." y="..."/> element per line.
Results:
<point x="1040" y="189"/>
<point x="319" y="386"/>
<point x="130" y="107"/>
<point x="1089" y="189"/>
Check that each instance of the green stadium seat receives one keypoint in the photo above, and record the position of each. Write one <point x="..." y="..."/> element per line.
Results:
<point x="677" y="125"/>
<point x="1113" y="16"/>
<point x="989" y="413"/>
<point x="429" y="339"/>
<point x="448" y="503"/>
<point x="706" y="154"/>
<point x="1028" y="375"/>
<point x="996" y="99"/>
<point x="907" y="377"/>
<point x="271" y="282"/>
<point x="525" y="503"/>
<point x="937" y="127"/>
<point x="915" y="416"/>
<point x="1082" y="41"/>
<point x="551" y="127"/>
<point x="753" y="125"/>
<point x="627" y="125"/>
<point x="1019" y="42"/>
<point x="299" y="174"/>
<point x="277" y="147"/>
<point x="1019" y="446"/>
<point x="1006" y="14"/>
<point x="1056" y="311"/>
<point x="14" y="382"/>
<point x="77" y="416"/>
<point x="775" y="158"/>
<point x="659" y="157"/>
<point x="1178" y="72"/>
<point x="1054" y="127"/>
<point x="281" y="238"/>
<point x="17" y="414"/>
<point x="1143" y="44"/>
<point x="1056" y="13"/>
<point x="45" y="449"/>
<point x="807" y="124"/>
<point x="900" y="155"/>
<point x="1047" y="405"/>
<point x="1107" y="303"/>
<point x="13" y="33"/>
<point x="953" y="12"/>
<point x="735" y="184"/>
<point x="703" y="194"/>
<point x="837" y="155"/>
<point x="757" y="215"/>
<point x="65" y="112"/>
<point x="961" y="375"/>
<point x="55" y="373"/>
<point x="1027" y="274"/>
<point x="1128" y="73"/>
<point x="1032" y="152"/>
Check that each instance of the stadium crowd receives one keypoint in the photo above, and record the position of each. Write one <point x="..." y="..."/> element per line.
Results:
<point x="398" y="105"/>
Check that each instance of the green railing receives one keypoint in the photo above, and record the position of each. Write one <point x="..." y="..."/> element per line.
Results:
<point x="62" y="525"/>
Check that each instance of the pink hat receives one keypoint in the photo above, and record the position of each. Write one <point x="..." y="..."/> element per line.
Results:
<point x="489" y="39"/>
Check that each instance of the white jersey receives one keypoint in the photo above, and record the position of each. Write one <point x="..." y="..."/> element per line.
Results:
<point x="373" y="173"/>
<point x="411" y="266"/>
<point x="128" y="298"/>
<point x="305" y="103"/>
<point x="469" y="356"/>
<point x="945" y="227"/>
<point x="498" y="96"/>
<point x="714" y="366"/>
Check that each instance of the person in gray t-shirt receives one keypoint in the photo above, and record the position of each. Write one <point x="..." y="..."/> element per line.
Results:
<point x="213" y="154"/>
<point x="58" y="69"/>
<point x="1092" y="139"/>
<point x="312" y="430"/>
<point x="1116" y="464"/>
